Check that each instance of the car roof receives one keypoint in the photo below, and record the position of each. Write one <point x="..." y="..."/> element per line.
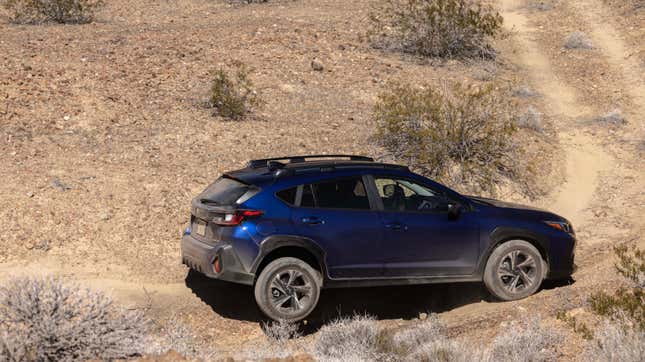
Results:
<point x="257" y="174"/>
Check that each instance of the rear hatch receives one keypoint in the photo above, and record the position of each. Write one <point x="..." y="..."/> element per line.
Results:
<point x="217" y="207"/>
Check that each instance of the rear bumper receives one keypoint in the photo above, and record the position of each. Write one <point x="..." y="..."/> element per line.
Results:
<point x="200" y="257"/>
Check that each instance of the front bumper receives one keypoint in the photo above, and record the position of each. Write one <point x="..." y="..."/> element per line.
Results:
<point x="200" y="256"/>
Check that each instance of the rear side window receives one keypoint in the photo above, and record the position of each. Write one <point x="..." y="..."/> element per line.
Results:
<point x="288" y="195"/>
<point x="346" y="193"/>
<point x="224" y="191"/>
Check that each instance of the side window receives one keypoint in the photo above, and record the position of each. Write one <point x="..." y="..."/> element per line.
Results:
<point x="288" y="195"/>
<point x="345" y="193"/>
<point x="405" y="195"/>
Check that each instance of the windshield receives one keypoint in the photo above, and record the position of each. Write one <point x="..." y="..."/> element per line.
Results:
<point x="224" y="191"/>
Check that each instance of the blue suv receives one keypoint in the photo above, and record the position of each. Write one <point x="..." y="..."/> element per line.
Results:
<point x="293" y="225"/>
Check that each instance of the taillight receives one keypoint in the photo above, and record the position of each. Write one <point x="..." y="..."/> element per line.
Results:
<point x="236" y="217"/>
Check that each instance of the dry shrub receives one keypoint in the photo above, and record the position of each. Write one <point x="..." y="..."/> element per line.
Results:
<point x="427" y="341"/>
<point x="281" y="331"/>
<point x="627" y="305"/>
<point x="525" y="340"/>
<point x="459" y="136"/>
<point x="578" y="40"/>
<point x="44" y="319"/>
<point x="531" y="119"/>
<point x="436" y="28"/>
<point x="349" y="339"/>
<point x="613" y="117"/>
<point x="59" y="11"/>
<point x="615" y="342"/>
<point x="233" y="95"/>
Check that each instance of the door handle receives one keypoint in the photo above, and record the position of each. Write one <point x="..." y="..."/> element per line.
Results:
<point x="311" y="220"/>
<point x="394" y="226"/>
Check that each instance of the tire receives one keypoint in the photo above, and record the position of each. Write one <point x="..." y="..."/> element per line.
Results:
<point x="288" y="289"/>
<point x="514" y="270"/>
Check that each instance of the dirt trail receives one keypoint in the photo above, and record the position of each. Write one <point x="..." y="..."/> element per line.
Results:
<point x="586" y="160"/>
<point x="608" y="40"/>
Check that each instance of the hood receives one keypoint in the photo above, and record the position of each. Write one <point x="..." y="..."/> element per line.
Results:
<point x="503" y="204"/>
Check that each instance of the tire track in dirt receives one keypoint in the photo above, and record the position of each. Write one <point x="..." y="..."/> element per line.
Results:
<point x="586" y="160"/>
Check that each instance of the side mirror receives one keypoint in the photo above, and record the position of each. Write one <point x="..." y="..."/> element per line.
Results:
<point x="454" y="211"/>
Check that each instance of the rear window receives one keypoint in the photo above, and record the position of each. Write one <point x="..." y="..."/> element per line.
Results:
<point x="288" y="195"/>
<point x="224" y="191"/>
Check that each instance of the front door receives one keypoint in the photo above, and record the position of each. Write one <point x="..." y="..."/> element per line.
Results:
<point x="420" y="239"/>
<point x="338" y="216"/>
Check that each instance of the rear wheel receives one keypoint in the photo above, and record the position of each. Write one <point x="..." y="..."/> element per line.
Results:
<point x="288" y="289"/>
<point x="514" y="270"/>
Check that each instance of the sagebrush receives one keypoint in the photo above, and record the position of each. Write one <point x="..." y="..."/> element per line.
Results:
<point x="457" y="135"/>
<point x="233" y="94"/>
<point x="436" y="28"/>
<point x="59" y="11"/>
<point x="45" y="319"/>
<point x="627" y="305"/>
<point x="361" y="338"/>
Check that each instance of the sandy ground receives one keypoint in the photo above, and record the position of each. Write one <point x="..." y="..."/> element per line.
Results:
<point x="115" y="112"/>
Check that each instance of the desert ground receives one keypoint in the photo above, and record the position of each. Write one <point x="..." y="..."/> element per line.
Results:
<point x="105" y="137"/>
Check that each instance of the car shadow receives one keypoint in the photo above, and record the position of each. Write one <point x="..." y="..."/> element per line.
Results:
<point x="236" y="301"/>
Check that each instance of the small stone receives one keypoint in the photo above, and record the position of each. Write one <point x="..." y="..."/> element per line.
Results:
<point x="105" y="216"/>
<point x="423" y="316"/>
<point x="66" y="118"/>
<point x="317" y="65"/>
<point x="30" y="194"/>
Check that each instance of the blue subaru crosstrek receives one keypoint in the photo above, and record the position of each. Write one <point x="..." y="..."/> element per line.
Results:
<point x="293" y="225"/>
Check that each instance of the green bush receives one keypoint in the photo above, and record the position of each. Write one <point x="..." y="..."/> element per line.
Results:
<point x="459" y="136"/>
<point x="59" y="11"/>
<point x="628" y="302"/>
<point x="233" y="96"/>
<point x="437" y="28"/>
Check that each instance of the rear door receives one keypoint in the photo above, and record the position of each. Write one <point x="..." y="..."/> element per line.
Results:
<point x="337" y="214"/>
<point x="420" y="239"/>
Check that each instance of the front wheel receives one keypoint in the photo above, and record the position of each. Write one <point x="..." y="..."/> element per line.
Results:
<point x="288" y="289"/>
<point x="514" y="270"/>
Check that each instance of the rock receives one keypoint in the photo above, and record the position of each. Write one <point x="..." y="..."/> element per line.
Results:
<point x="423" y="316"/>
<point x="105" y="216"/>
<point x="317" y="65"/>
<point x="30" y="194"/>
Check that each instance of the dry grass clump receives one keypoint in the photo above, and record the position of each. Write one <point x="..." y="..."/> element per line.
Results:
<point x="362" y="339"/>
<point x="233" y="94"/>
<point x="525" y="92"/>
<point x="436" y="28"/>
<point x="578" y="40"/>
<point x="45" y="319"/>
<point x="616" y="342"/>
<point x="531" y="119"/>
<point x="281" y="331"/>
<point x="525" y="340"/>
<point x="627" y="305"/>
<point x="353" y="339"/>
<point x="614" y="117"/>
<point x="456" y="135"/>
<point x="59" y="11"/>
